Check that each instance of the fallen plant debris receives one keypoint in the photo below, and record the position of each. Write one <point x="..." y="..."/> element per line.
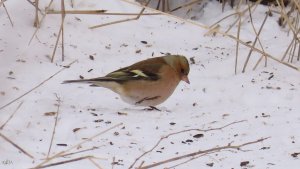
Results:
<point x="244" y="163"/>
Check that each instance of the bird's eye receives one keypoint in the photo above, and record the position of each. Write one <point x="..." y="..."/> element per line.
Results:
<point x="182" y="71"/>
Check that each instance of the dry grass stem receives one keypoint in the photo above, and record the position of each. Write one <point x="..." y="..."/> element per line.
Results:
<point x="256" y="34"/>
<point x="141" y="165"/>
<point x="60" y="33"/>
<point x="34" y="88"/>
<point x="286" y="17"/>
<point x="254" y="43"/>
<point x="191" y="159"/>
<point x="43" y="17"/>
<point x="6" y="11"/>
<point x="297" y="5"/>
<point x="63" y="15"/>
<point x="298" y="58"/>
<point x="34" y="5"/>
<point x="239" y="14"/>
<point x="216" y="149"/>
<point x="287" y="50"/>
<point x="97" y="12"/>
<point x="2" y="2"/>
<point x="55" y="123"/>
<point x="36" y="20"/>
<point x="259" y="51"/>
<point x="220" y="32"/>
<point x="65" y="162"/>
<point x="62" y="153"/>
<point x="175" y="133"/>
<point x="15" y="145"/>
<point x="243" y="16"/>
<point x="237" y="46"/>
<point x="166" y="14"/>
<point x="81" y="151"/>
<point x="185" y="5"/>
<point x="123" y="20"/>
<point x="213" y="31"/>
<point x="11" y="116"/>
<point x="94" y="162"/>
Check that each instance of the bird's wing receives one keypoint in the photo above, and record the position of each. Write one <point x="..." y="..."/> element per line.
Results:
<point x="144" y="70"/>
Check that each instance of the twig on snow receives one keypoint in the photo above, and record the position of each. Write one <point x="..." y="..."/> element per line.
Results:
<point x="11" y="116"/>
<point x="15" y="145"/>
<point x="183" y="131"/>
<point x="55" y="123"/>
<point x="216" y="149"/>
<point x="34" y="88"/>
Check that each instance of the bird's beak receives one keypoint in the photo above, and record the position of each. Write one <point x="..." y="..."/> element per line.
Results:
<point x="185" y="78"/>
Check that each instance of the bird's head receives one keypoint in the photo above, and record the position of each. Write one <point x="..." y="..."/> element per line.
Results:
<point x="181" y="66"/>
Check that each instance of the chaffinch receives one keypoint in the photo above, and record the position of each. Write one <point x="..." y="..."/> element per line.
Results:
<point x="146" y="83"/>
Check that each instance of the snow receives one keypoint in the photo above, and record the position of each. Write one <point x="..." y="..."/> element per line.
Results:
<point x="266" y="98"/>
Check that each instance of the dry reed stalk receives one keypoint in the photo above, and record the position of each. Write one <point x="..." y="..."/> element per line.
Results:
<point x="66" y="161"/>
<point x="123" y="20"/>
<point x="141" y="165"/>
<point x="261" y="52"/>
<point x="77" y="152"/>
<point x="213" y="30"/>
<point x="168" y="5"/>
<point x="60" y="33"/>
<point x="257" y="35"/>
<point x="2" y="2"/>
<point x="164" y="5"/>
<point x="36" y="20"/>
<point x="97" y="12"/>
<point x="63" y="15"/>
<point x="285" y="16"/>
<point x="94" y="162"/>
<point x="238" y="5"/>
<point x="158" y="5"/>
<point x="292" y="52"/>
<point x="43" y="17"/>
<point x="254" y="6"/>
<point x="166" y="14"/>
<point x="6" y="11"/>
<point x="256" y="39"/>
<point x="55" y="124"/>
<point x="239" y="14"/>
<point x="297" y="5"/>
<point x="191" y="159"/>
<point x="60" y="154"/>
<point x="287" y="50"/>
<point x="34" y="88"/>
<point x="34" y="6"/>
<point x="15" y="145"/>
<point x="183" y="131"/>
<point x="11" y="116"/>
<point x="217" y="149"/>
<point x="220" y="32"/>
<point x="185" y="5"/>
<point x="237" y="45"/>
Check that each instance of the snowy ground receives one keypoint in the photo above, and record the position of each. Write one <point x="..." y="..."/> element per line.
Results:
<point x="267" y="98"/>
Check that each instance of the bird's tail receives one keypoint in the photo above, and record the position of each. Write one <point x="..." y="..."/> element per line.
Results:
<point x="77" y="81"/>
<point x="94" y="80"/>
<point x="106" y="82"/>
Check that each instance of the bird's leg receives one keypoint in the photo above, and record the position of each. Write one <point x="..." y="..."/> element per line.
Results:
<point x="151" y="108"/>
<point x="147" y="99"/>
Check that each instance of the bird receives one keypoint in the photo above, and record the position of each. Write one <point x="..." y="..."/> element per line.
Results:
<point x="147" y="83"/>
